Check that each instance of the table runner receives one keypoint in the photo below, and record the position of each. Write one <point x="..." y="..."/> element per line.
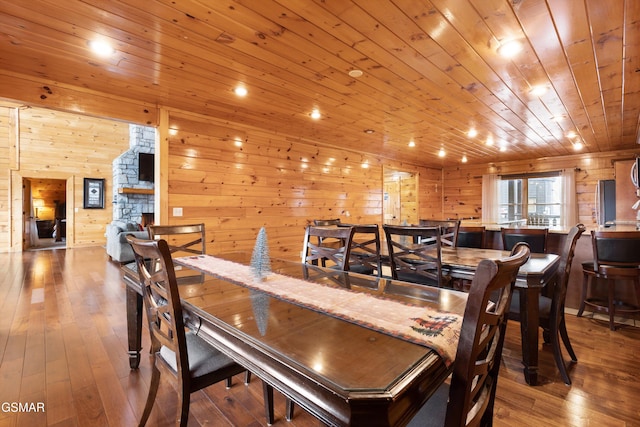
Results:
<point x="438" y="330"/>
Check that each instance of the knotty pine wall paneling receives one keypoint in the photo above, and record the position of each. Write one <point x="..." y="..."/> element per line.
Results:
<point x="237" y="179"/>
<point x="5" y="175"/>
<point x="66" y="146"/>
<point x="463" y="185"/>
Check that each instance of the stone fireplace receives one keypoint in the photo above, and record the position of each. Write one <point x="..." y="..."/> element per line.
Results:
<point x="133" y="200"/>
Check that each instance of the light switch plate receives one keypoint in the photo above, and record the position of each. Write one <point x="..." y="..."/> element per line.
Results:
<point x="177" y="211"/>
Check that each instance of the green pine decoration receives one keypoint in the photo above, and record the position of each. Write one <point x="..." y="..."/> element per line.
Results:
<point x="260" y="260"/>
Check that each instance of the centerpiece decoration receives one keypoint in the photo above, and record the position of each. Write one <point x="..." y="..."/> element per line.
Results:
<point x="260" y="260"/>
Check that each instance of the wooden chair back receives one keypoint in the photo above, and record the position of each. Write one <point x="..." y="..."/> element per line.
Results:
<point x="336" y="252"/>
<point x="471" y="237"/>
<point x="536" y="238"/>
<point x="616" y="258"/>
<point x="415" y="254"/>
<point x="551" y="313"/>
<point x="475" y="372"/>
<point x="183" y="240"/>
<point x="450" y="229"/>
<point x="564" y="269"/>
<point x="614" y="249"/>
<point x="326" y="222"/>
<point x="171" y="346"/>
<point x="365" y="249"/>
<point x="554" y="324"/>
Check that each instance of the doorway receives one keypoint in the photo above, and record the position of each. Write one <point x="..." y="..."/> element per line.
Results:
<point x="45" y="212"/>
<point x="400" y="197"/>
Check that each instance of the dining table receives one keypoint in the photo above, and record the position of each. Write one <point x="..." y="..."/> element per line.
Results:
<point x="350" y="349"/>
<point x="533" y="276"/>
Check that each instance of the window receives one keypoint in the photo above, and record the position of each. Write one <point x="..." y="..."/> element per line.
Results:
<point x="532" y="199"/>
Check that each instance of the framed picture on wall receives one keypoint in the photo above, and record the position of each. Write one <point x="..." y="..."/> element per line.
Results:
<point x="93" y="193"/>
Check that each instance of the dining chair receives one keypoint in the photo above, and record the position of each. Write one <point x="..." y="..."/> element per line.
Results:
<point x="469" y="399"/>
<point x="181" y="239"/>
<point x="471" y="237"/>
<point x="616" y="259"/>
<point x="415" y="254"/>
<point x="364" y="257"/>
<point x="336" y="253"/>
<point x="180" y="355"/>
<point x="326" y="222"/>
<point x="450" y="229"/>
<point x="185" y="240"/>
<point x="535" y="237"/>
<point x="552" y="317"/>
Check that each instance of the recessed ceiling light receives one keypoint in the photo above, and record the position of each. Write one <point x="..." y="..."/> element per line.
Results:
<point x="412" y="143"/>
<point x="472" y="133"/>
<point x="101" y="47"/>
<point x="510" y="48"/>
<point x="571" y="134"/>
<point x="464" y="159"/>
<point x="369" y="131"/>
<point x="442" y="153"/>
<point x="578" y="145"/>
<point x="489" y="140"/>
<point x="240" y="91"/>
<point x="356" y="73"/>
<point x="315" y="114"/>
<point x="538" y="90"/>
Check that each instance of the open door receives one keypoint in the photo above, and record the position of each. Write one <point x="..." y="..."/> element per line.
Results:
<point x="29" y="232"/>
<point x="400" y="197"/>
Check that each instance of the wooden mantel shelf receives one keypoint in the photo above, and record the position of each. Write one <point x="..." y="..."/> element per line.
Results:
<point x="128" y="190"/>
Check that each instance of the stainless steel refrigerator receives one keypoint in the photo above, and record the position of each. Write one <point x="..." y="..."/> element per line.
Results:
<point x="606" y="202"/>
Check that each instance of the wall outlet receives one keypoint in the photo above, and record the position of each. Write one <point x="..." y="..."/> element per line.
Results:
<point x="177" y="211"/>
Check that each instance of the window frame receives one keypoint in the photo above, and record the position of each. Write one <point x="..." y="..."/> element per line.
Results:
<point x="524" y="204"/>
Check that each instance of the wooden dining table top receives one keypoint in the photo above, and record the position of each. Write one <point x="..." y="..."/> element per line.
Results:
<point x="538" y="265"/>
<point x="342" y="372"/>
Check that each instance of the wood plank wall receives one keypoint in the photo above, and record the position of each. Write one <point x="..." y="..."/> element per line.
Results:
<point x="237" y="179"/>
<point x="59" y="145"/>
<point x="235" y="189"/>
<point x="277" y="181"/>
<point x="5" y="205"/>
<point x="463" y="185"/>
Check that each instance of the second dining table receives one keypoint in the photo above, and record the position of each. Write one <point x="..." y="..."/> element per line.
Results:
<point x="533" y="276"/>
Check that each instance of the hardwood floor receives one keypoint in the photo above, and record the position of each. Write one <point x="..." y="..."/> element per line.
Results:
<point x="63" y="345"/>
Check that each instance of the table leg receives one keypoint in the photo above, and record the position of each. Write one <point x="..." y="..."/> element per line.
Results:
<point x="134" y="326"/>
<point x="529" y="322"/>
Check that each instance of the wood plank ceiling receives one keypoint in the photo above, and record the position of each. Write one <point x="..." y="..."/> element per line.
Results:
<point x="430" y="69"/>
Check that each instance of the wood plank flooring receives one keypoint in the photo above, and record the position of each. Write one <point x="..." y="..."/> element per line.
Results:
<point x="63" y="345"/>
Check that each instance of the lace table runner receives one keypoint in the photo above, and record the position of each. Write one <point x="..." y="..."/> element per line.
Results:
<point x="438" y="330"/>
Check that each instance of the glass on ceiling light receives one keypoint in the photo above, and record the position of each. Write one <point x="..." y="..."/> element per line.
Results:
<point x="101" y="47"/>
<point x="510" y="48"/>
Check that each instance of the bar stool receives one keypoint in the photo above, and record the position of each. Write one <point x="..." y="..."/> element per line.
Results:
<point x="616" y="259"/>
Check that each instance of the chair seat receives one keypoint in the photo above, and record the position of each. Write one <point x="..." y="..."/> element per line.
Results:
<point x="588" y="266"/>
<point x="616" y="260"/>
<point x="544" y="304"/>
<point x="434" y="411"/>
<point x="203" y="358"/>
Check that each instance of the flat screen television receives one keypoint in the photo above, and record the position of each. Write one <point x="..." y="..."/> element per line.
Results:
<point x="145" y="167"/>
